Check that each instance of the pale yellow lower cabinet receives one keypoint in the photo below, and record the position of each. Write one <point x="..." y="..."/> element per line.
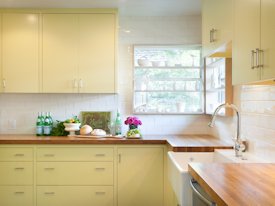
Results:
<point x="75" y="196"/>
<point x="16" y="195"/>
<point x="140" y="176"/>
<point x="63" y="175"/>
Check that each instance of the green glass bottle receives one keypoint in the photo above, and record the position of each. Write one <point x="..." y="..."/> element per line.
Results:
<point x="47" y="125"/>
<point x="39" y="125"/>
<point x="118" y="124"/>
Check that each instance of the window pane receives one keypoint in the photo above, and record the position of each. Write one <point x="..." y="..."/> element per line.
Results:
<point x="168" y="79"/>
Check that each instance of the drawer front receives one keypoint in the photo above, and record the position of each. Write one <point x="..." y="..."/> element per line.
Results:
<point x="16" y="195"/>
<point x="75" y="195"/>
<point x="75" y="154"/>
<point x="16" y="173"/>
<point x="16" y="154"/>
<point x="75" y="173"/>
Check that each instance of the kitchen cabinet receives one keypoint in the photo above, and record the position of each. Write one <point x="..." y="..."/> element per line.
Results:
<point x="16" y="176"/>
<point x="75" y="176"/>
<point x="140" y="176"/>
<point x="20" y="52"/>
<point x="79" y="53"/>
<point x="217" y="27"/>
<point x="253" y="44"/>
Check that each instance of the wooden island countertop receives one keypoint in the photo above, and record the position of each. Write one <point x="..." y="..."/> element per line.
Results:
<point x="183" y="143"/>
<point x="237" y="184"/>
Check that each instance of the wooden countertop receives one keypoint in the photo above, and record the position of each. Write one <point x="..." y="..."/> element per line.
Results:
<point x="184" y="143"/>
<point x="236" y="184"/>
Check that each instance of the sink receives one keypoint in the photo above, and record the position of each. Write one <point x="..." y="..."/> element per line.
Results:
<point x="178" y="168"/>
<point x="178" y="172"/>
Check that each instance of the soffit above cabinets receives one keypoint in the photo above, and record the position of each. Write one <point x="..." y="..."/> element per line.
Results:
<point x="126" y="7"/>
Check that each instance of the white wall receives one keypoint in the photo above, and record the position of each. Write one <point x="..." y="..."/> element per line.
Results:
<point x="21" y="109"/>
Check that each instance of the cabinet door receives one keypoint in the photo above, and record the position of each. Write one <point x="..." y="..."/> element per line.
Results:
<point x="217" y="15"/>
<point x="16" y="195"/>
<point x="97" y="34"/>
<point x="208" y="23"/>
<point x="246" y="38"/>
<point x="267" y="38"/>
<point x="75" y="196"/>
<point x="140" y="177"/>
<point x="20" y="52"/>
<point x="59" y="45"/>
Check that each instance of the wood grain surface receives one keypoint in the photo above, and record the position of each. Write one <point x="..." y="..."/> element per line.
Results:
<point x="184" y="143"/>
<point x="237" y="184"/>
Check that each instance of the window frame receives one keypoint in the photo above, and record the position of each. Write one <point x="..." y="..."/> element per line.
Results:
<point x="202" y="78"/>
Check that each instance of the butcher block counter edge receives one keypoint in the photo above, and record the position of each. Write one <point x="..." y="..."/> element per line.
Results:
<point x="183" y="143"/>
<point x="235" y="184"/>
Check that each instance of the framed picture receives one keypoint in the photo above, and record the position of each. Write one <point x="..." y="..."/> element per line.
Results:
<point x="97" y="120"/>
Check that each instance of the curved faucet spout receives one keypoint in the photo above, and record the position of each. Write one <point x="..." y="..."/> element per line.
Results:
<point x="237" y="140"/>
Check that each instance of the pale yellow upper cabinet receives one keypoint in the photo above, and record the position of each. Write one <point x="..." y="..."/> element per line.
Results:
<point x="59" y="45"/>
<point x="268" y="38"/>
<point x="217" y="27"/>
<point x="79" y="53"/>
<point x="253" y="43"/>
<point x="97" y="34"/>
<point x="140" y="177"/>
<point x="20" y="52"/>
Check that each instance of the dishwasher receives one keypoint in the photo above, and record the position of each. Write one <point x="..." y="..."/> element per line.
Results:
<point x="200" y="197"/>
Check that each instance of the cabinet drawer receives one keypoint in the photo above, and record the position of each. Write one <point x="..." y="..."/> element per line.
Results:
<point x="16" y="154"/>
<point x="75" y="173"/>
<point x="75" y="154"/>
<point x="16" y="173"/>
<point x="16" y="195"/>
<point x="75" y="195"/>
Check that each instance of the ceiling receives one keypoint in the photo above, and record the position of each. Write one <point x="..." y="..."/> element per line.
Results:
<point x="126" y="7"/>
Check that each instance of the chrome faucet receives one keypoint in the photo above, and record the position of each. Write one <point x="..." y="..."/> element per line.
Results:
<point x="238" y="146"/>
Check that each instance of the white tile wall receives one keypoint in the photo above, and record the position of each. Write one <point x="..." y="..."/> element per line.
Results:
<point x="18" y="111"/>
<point x="257" y="105"/>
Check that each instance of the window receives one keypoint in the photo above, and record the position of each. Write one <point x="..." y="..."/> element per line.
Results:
<point x="168" y="80"/>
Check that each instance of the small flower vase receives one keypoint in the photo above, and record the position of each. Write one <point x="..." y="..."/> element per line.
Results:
<point x="132" y="126"/>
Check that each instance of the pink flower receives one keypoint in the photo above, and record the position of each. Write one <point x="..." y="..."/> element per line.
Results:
<point x="132" y="121"/>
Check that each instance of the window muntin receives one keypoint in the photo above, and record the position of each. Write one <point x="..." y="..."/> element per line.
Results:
<point x="168" y="80"/>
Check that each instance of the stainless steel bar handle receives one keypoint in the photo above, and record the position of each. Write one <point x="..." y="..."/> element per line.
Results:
<point x="19" y="193"/>
<point x="80" y="83"/>
<point x="4" y="83"/>
<point x="19" y="168"/>
<point x="49" y="155"/>
<point x="209" y="203"/>
<point x="119" y="158"/>
<point x="259" y="53"/>
<point x="252" y="59"/>
<point x="100" y="193"/>
<point x="99" y="168"/>
<point x="49" y="193"/>
<point x="75" y="83"/>
<point x="99" y="155"/>
<point x="211" y="36"/>
<point x="49" y="168"/>
<point x="19" y="155"/>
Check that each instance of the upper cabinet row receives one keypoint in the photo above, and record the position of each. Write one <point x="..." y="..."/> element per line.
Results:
<point x="250" y="26"/>
<point x="58" y="52"/>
